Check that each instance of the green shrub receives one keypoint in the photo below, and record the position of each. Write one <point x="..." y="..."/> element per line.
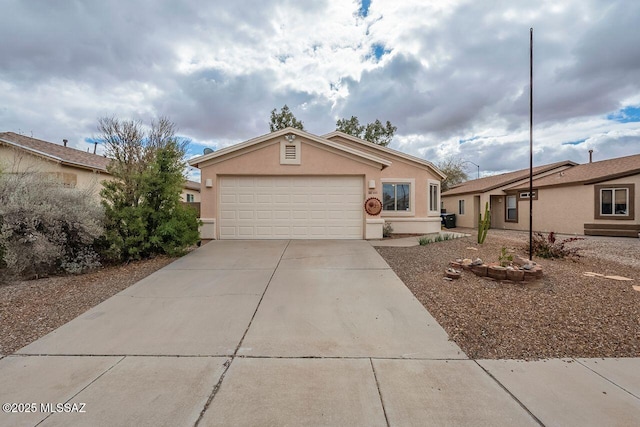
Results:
<point x="144" y="215"/>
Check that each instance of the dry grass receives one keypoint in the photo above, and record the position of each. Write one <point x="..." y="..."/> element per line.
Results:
<point x="565" y="315"/>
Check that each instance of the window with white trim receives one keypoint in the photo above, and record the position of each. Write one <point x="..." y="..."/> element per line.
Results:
<point x="396" y="197"/>
<point x="190" y="198"/>
<point x="434" y="197"/>
<point x="614" y="201"/>
<point x="461" y="207"/>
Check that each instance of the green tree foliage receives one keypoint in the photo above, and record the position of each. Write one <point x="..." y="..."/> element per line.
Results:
<point x="375" y="132"/>
<point x="455" y="172"/>
<point x="143" y="212"/>
<point x="284" y="119"/>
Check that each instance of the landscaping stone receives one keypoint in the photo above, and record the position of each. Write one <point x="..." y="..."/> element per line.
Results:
<point x="479" y="270"/>
<point x="497" y="272"/>
<point x="515" y="275"/>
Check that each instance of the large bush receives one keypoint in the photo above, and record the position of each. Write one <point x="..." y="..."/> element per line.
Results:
<point x="46" y="228"/>
<point x="144" y="215"/>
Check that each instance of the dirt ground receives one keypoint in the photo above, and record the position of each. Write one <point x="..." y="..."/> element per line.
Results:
<point x="33" y="308"/>
<point x="565" y="314"/>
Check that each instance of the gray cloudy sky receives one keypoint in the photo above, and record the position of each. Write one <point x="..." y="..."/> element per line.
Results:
<point x="451" y="75"/>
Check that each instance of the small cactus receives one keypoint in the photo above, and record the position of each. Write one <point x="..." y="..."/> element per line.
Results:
<point x="484" y="224"/>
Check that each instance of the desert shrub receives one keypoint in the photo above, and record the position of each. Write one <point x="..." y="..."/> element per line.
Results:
<point x="387" y="229"/>
<point x="550" y="247"/>
<point x="46" y="228"/>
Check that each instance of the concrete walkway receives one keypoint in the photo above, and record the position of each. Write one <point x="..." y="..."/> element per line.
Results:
<point x="291" y="333"/>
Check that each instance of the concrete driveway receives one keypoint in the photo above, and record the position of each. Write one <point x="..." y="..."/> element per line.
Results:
<point x="287" y="333"/>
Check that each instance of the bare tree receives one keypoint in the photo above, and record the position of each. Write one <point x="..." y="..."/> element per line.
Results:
<point x="453" y="168"/>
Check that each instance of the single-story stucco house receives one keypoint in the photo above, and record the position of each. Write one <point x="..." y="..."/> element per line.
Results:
<point x="596" y="198"/>
<point x="293" y="184"/>
<point x="71" y="167"/>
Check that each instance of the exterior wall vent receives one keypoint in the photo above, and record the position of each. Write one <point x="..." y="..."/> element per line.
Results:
<point x="289" y="152"/>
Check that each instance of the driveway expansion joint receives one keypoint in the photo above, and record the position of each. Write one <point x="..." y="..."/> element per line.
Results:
<point x="522" y="405"/>
<point x="228" y="363"/>
<point x="375" y="377"/>
<point x="602" y="376"/>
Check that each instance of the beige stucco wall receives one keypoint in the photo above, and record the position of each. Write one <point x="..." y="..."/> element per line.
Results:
<point x="18" y="161"/>
<point x="563" y="209"/>
<point x="318" y="159"/>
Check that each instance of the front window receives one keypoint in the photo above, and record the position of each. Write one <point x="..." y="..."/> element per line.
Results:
<point x="190" y="198"/>
<point x="614" y="201"/>
<point x="460" y="207"/>
<point x="512" y="209"/>
<point x="396" y="197"/>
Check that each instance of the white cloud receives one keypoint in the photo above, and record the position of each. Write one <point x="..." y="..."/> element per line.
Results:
<point x="456" y="70"/>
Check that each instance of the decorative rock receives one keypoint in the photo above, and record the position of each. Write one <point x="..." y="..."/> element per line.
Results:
<point x="515" y="275"/>
<point x="477" y="261"/>
<point x="497" y="272"/>
<point x="528" y="267"/>
<point x="479" y="270"/>
<point x="452" y="274"/>
<point x="455" y="264"/>
<point x="529" y="275"/>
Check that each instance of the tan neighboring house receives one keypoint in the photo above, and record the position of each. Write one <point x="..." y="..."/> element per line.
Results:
<point x="191" y="192"/>
<point x="72" y="167"/>
<point x="293" y="184"/>
<point x="597" y="198"/>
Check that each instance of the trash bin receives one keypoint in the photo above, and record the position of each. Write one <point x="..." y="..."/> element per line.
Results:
<point x="450" y="221"/>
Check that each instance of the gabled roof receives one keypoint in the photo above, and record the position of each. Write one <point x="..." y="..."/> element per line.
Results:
<point x="592" y="173"/>
<point x="323" y="141"/>
<point x="496" y="181"/>
<point x="56" y="152"/>
<point x="386" y="150"/>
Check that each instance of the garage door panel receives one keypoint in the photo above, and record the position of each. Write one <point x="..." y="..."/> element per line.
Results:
<point x="291" y="207"/>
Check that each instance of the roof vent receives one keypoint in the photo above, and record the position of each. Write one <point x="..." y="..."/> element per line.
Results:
<point x="207" y="151"/>
<point x="290" y="152"/>
<point x="590" y="156"/>
<point x="64" y="142"/>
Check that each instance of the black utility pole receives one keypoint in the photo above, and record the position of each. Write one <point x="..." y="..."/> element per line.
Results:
<point x="531" y="143"/>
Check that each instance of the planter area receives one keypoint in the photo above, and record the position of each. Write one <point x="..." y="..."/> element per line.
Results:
<point x="519" y="269"/>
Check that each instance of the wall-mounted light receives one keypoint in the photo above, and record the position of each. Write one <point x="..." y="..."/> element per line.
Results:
<point x="372" y="184"/>
<point x="289" y="137"/>
<point x="208" y="183"/>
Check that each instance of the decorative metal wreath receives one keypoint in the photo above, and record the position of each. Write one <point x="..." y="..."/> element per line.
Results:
<point x="373" y="206"/>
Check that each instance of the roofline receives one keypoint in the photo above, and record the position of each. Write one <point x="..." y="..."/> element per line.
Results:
<point x="387" y="150"/>
<point x="586" y="181"/>
<point x="547" y="168"/>
<point x="51" y="156"/>
<point x="233" y="148"/>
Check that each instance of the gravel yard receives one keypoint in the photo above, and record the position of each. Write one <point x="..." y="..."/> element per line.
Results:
<point x="33" y="308"/>
<point x="565" y="314"/>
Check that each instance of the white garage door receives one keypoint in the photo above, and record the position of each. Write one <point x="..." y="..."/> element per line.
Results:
<point x="297" y="207"/>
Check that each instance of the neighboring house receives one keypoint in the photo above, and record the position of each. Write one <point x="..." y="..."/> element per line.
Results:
<point x="598" y="198"/>
<point x="71" y="167"/>
<point x="191" y="192"/>
<point x="468" y="200"/>
<point x="293" y="184"/>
